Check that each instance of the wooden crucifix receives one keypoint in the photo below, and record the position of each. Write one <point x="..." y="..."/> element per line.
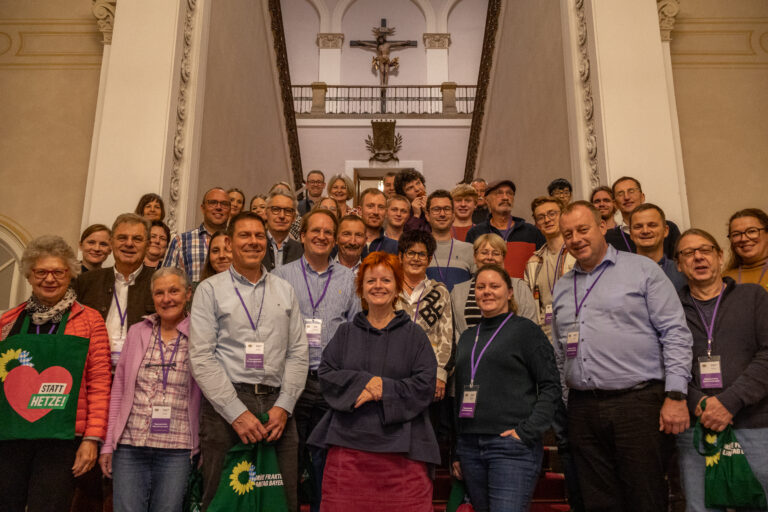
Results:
<point x="382" y="62"/>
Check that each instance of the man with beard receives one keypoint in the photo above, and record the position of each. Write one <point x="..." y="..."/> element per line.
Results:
<point x="410" y="183"/>
<point x="350" y="241"/>
<point x="373" y="208"/>
<point x="602" y="198"/>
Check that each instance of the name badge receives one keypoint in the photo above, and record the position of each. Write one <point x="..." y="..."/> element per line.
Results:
<point x="161" y="419"/>
<point x="116" y="347"/>
<point x="469" y="402"/>
<point x="548" y="315"/>
<point x="572" y="344"/>
<point x="711" y="376"/>
<point x="254" y="355"/>
<point x="313" y="327"/>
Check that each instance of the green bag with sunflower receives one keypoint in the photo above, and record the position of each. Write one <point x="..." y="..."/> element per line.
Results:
<point x="728" y="479"/>
<point x="251" y="480"/>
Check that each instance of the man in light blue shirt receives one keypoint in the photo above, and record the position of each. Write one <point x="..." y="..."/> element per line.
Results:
<point x="327" y="299"/>
<point x="624" y="350"/>
<point x="248" y="354"/>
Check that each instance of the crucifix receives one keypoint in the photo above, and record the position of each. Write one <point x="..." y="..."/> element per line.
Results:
<point x="381" y="62"/>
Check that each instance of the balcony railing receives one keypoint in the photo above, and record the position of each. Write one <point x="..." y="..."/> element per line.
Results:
<point x="363" y="100"/>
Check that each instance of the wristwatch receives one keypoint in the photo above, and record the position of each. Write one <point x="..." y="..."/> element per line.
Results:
<point x="676" y="395"/>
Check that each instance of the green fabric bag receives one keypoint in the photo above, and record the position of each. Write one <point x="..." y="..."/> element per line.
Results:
<point x="251" y="480"/>
<point x="728" y="479"/>
<point x="457" y="500"/>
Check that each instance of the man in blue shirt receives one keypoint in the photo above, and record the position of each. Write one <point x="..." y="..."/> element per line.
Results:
<point x="327" y="299"/>
<point x="648" y="229"/>
<point x="624" y="350"/>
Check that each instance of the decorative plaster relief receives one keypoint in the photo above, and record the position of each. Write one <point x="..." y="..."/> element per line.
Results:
<point x="49" y="44"/>
<point x="330" y="41"/>
<point x="588" y="102"/>
<point x="104" y="11"/>
<point x="437" y="41"/>
<point x="667" y="9"/>
<point x="720" y="42"/>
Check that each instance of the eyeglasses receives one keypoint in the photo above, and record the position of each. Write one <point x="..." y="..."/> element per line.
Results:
<point x="629" y="192"/>
<point x="487" y="253"/>
<point x="551" y="214"/>
<point x="276" y="210"/>
<point x="750" y="233"/>
<point x="704" y="250"/>
<point x="137" y="239"/>
<point x="436" y="210"/>
<point x="214" y="203"/>
<point x="413" y="255"/>
<point x="42" y="274"/>
<point x="315" y="182"/>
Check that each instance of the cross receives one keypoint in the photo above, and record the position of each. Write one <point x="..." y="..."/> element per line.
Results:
<point x="381" y="62"/>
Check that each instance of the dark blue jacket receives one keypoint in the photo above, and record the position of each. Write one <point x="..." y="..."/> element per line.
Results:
<point x="382" y="243"/>
<point x="522" y="240"/>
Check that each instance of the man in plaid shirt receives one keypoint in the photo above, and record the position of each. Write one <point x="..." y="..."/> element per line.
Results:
<point x="187" y="251"/>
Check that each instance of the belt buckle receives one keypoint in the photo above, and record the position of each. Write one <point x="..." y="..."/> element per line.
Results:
<point x="256" y="390"/>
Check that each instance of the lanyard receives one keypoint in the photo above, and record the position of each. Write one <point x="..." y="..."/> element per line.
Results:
<point x="325" y="289"/>
<point x="575" y="299"/>
<point x="711" y="327"/>
<point x="626" y="242"/>
<point x="248" y="313"/>
<point x="551" y="284"/>
<point x="53" y="327"/>
<point x="762" y="274"/>
<point x="119" y="309"/>
<point x="447" y="263"/>
<point x="167" y="367"/>
<point x="473" y="364"/>
<point x="418" y="301"/>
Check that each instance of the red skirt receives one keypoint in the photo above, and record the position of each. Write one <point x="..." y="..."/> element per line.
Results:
<point x="354" y="480"/>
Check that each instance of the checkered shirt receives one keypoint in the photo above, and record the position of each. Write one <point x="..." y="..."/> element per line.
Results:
<point x="187" y="251"/>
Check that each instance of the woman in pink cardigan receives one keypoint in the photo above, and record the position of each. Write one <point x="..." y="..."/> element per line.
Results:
<point x="155" y="407"/>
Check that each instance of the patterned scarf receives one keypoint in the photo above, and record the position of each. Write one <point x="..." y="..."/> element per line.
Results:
<point x="41" y="314"/>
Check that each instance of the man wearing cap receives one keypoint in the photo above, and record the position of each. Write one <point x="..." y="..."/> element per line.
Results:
<point x="522" y="238"/>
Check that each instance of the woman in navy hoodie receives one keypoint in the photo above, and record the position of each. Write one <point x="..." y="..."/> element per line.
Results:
<point x="378" y="376"/>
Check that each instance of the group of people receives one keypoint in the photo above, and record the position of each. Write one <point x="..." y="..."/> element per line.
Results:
<point x="370" y="335"/>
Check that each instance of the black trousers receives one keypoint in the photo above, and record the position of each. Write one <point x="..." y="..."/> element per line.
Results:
<point x="309" y="410"/>
<point x="37" y="474"/>
<point x="217" y="437"/>
<point x="620" y="454"/>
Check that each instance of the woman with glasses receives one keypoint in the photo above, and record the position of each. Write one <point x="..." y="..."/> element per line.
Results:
<point x="729" y="324"/>
<point x="159" y="234"/>
<point x="55" y="373"/>
<point x="154" y="412"/>
<point x="748" y="233"/>
<point x="329" y="204"/>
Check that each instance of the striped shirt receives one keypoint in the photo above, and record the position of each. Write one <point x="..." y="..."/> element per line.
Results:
<point x="472" y="313"/>
<point x="149" y="392"/>
<point x="187" y="251"/>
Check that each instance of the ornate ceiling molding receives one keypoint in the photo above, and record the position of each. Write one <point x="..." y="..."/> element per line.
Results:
<point x="668" y="10"/>
<point x="330" y="40"/>
<point x="437" y="41"/>
<point x="588" y="107"/>
<point x="104" y="11"/>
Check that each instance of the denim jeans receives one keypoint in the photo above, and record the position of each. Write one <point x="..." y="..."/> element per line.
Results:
<point x="754" y="442"/>
<point x="149" y="479"/>
<point x="500" y="472"/>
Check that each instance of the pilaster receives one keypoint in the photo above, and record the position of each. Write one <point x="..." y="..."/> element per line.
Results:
<point x="436" y="45"/>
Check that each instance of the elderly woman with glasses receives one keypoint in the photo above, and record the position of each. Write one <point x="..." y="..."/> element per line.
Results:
<point x="55" y="373"/>
<point x="748" y="233"/>
<point x="729" y="384"/>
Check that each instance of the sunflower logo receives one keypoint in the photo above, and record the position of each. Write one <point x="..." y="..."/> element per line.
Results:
<point x="711" y="460"/>
<point x="243" y="478"/>
<point x="9" y="357"/>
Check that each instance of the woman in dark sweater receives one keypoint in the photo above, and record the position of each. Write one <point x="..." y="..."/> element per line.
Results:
<point x="378" y="377"/>
<point x="508" y="383"/>
<point x="735" y="377"/>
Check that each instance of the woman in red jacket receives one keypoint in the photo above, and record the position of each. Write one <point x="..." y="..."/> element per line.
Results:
<point x="55" y="373"/>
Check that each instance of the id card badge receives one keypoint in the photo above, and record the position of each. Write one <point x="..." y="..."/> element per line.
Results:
<point x="254" y="355"/>
<point x="116" y="347"/>
<point x="468" y="402"/>
<point x="161" y="419"/>
<point x="548" y="314"/>
<point x="572" y="344"/>
<point x="313" y="327"/>
<point x="711" y="376"/>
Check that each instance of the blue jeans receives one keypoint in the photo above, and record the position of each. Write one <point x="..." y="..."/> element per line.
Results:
<point x="149" y="479"/>
<point x="500" y="472"/>
<point x="754" y="442"/>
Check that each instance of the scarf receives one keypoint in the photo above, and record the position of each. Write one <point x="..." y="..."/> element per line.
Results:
<point x="41" y="314"/>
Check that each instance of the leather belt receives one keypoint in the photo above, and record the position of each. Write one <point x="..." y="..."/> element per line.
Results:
<point x="608" y="393"/>
<point x="256" y="389"/>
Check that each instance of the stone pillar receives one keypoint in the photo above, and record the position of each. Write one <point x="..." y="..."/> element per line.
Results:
<point x="619" y="98"/>
<point x="143" y="137"/>
<point x="449" y="97"/>
<point x="329" y="64"/>
<point x="318" y="97"/>
<point x="436" y="45"/>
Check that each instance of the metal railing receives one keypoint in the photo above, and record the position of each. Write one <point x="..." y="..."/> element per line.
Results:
<point x="320" y="99"/>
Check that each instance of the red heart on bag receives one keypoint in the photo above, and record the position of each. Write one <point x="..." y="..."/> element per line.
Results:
<point x="23" y="381"/>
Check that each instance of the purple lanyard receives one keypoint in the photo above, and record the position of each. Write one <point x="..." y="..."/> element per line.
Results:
<point x="762" y="274"/>
<point x="473" y="364"/>
<point x="551" y="284"/>
<point x="447" y="263"/>
<point x="626" y="242"/>
<point x="53" y="327"/>
<point x="575" y="297"/>
<point x="248" y="313"/>
<point x="119" y="309"/>
<point x="506" y="231"/>
<point x="325" y="289"/>
<point x="167" y="367"/>
<point x="711" y="327"/>
<point x="418" y="301"/>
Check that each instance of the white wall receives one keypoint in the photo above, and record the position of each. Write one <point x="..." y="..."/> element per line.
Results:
<point x="466" y="24"/>
<point x="301" y="25"/>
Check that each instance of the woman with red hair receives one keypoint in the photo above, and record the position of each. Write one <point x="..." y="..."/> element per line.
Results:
<point x="378" y="376"/>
